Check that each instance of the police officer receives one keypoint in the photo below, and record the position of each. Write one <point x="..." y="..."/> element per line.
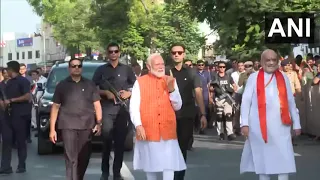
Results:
<point x="77" y="121"/>
<point x="190" y="90"/>
<point x="115" y="117"/>
<point x="15" y="101"/>
<point x="224" y="107"/>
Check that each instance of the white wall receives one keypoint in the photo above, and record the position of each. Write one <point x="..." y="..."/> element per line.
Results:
<point x="17" y="52"/>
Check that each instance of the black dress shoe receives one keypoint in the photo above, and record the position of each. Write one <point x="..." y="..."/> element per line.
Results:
<point x="221" y="136"/>
<point x="21" y="170"/>
<point x="118" y="177"/>
<point x="231" y="137"/>
<point x="6" y="171"/>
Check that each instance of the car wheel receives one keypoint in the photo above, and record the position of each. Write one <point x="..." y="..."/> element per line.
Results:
<point x="128" y="144"/>
<point x="44" y="146"/>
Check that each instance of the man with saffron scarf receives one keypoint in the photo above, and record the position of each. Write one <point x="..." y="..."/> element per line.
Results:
<point x="268" y="111"/>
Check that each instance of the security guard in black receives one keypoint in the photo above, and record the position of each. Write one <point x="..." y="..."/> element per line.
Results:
<point x="76" y="102"/>
<point x="15" y="101"/>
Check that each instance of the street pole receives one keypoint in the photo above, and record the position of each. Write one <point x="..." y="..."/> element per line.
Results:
<point x="44" y="51"/>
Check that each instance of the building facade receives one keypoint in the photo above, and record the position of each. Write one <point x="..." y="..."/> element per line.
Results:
<point x="31" y="49"/>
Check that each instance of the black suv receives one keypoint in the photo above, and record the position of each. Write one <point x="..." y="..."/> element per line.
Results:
<point x="58" y="73"/>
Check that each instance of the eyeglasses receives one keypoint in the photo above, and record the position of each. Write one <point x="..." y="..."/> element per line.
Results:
<point x="222" y="67"/>
<point x="248" y="66"/>
<point x="115" y="52"/>
<point x="76" y="66"/>
<point x="190" y="65"/>
<point x="200" y="64"/>
<point x="175" y="52"/>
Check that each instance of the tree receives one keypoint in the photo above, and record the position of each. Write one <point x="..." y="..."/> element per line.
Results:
<point x="146" y="25"/>
<point x="69" y="20"/>
<point x="240" y="23"/>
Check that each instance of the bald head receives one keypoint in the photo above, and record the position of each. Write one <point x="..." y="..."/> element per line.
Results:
<point x="268" y="53"/>
<point x="269" y="61"/>
<point x="155" y="64"/>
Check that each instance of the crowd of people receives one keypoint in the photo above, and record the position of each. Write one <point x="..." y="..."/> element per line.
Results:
<point x="165" y="105"/>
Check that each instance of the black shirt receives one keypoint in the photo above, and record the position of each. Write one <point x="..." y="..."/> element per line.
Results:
<point x="187" y="80"/>
<point x="225" y="81"/>
<point x="76" y="103"/>
<point x="120" y="77"/>
<point x="17" y="87"/>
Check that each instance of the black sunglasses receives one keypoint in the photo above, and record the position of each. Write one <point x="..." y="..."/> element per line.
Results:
<point x="222" y="67"/>
<point x="76" y="66"/>
<point x="247" y="66"/>
<point x="115" y="51"/>
<point x="175" y="52"/>
<point x="200" y="64"/>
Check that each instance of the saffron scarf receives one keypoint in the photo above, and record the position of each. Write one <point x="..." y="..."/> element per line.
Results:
<point x="283" y="99"/>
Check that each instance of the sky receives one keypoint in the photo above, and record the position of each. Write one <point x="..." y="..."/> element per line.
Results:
<point x="18" y="16"/>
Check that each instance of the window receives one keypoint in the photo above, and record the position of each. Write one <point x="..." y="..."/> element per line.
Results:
<point x="23" y="55"/>
<point x="17" y="55"/>
<point x="9" y="56"/>
<point x="29" y="54"/>
<point x="38" y="54"/>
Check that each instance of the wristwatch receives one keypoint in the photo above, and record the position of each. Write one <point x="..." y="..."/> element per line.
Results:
<point x="172" y="91"/>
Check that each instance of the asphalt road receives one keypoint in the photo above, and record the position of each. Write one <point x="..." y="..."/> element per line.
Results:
<point x="211" y="159"/>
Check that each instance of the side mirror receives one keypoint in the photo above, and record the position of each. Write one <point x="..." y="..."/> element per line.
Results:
<point x="40" y="87"/>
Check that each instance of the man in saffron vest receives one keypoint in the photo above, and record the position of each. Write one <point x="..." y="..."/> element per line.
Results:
<point x="268" y="111"/>
<point x="154" y="100"/>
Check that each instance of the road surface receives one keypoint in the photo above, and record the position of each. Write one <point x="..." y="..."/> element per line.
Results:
<point x="211" y="159"/>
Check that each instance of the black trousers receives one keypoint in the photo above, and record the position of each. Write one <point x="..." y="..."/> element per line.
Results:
<point x="184" y="132"/>
<point x="14" y="126"/>
<point x="77" y="152"/>
<point x="114" y="129"/>
<point x="28" y="127"/>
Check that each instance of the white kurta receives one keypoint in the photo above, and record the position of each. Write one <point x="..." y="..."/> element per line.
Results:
<point x="276" y="156"/>
<point x="155" y="156"/>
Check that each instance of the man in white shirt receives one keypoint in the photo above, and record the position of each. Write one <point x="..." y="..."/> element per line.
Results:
<point x="36" y="78"/>
<point x="238" y="95"/>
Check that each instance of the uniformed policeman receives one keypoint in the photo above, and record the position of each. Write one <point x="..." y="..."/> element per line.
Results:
<point x="115" y="116"/>
<point x="77" y="101"/>
<point x="224" y="107"/>
<point x="190" y="90"/>
<point x="15" y="101"/>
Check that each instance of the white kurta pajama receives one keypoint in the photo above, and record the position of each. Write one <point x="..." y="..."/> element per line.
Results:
<point x="155" y="156"/>
<point x="277" y="155"/>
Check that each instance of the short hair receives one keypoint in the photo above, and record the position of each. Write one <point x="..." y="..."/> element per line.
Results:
<point x="74" y="59"/>
<point x="14" y="66"/>
<point x="316" y="57"/>
<point x="4" y="70"/>
<point x="187" y="60"/>
<point x="39" y="68"/>
<point x="222" y="62"/>
<point x="22" y="64"/>
<point x="309" y="56"/>
<point x="200" y="61"/>
<point x="34" y="71"/>
<point x="178" y="44"/>
<point x="152" y="56"/>
<point x="113" y="44"/>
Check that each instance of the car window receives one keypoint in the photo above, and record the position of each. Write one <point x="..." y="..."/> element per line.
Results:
<point x="58" y="74"/>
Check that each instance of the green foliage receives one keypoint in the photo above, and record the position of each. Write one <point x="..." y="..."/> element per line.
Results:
<point x="240" y="23"/>
<point x="139" y="26"/>
<point x="69" y="20"/>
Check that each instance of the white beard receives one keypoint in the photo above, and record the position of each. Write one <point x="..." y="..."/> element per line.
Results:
<point x="157" y="74"/>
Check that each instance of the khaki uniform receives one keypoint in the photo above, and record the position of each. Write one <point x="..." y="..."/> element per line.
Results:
<point x="224" y="108"/>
